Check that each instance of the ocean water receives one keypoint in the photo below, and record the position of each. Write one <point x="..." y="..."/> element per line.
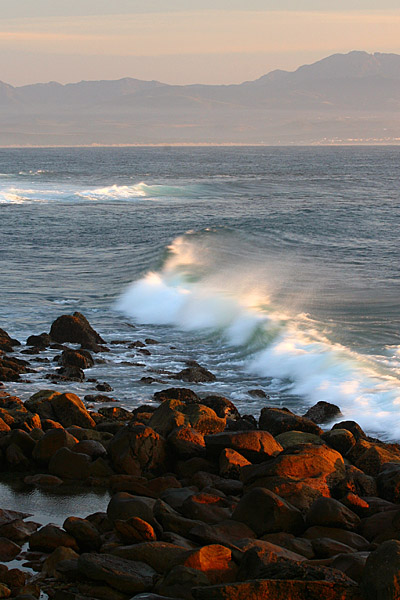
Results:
<point x="276" y="268"/>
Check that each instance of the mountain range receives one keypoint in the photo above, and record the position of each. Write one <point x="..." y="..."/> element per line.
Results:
<point x="344" y="98"/>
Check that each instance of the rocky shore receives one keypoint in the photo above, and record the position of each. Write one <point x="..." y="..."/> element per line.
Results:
<point x="207" y="504"/>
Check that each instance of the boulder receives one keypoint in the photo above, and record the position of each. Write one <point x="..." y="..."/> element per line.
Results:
<point x="351" y="565"/>
<point x="186" y="442"/>
<point x="67" y="409"/>
<point x="182" y="394"/>
<point x="161" y="556"/>
<point x="323" y="412"/>
<point x="358" y="542"/>
<point x="85" y="533"/>
<point x="327" y="548"/>
<point x="265" y="512"/>
<point x="381" y="575"/>
<point x="341" y="440"/>
<point x="388" y="482"/>
<point x="50" y="537"/>
<point x="53" y="440"/>
<point x="69" y="465"/>
<point x="18" y="531"/>
<point x="136" y="449"/>
<point x="231" y="463"/>
<point x="82" y="359"/>
<point x="195" y="374"/>
<point x="279" y="420"/>
<point x="371" y="457"/>
<point x="328" y="512"/>
<point x="76" y="329"/>
<point x="353" y="427"/>
<point x="179" y="582"/>
<point x="223" y="407"/>
<point x="256" y="446"/>
<point x="135" y="530"/>
<point x="288" y="439"/>
<point x="92" y="448"/>
<point x="130" y="577"/>
<point x="7" y="343"/>
<point x="123" y="506"/>
<point x="11" y="368"/>
<point x="210" y="508"/>
<point x="43" y="340"/>
<point x="320" y="468"/>
<point x="173" y="413"/>
<point x="215" y="561"/>
<point x="58" y="555"/>
<point x="8" y="550"/>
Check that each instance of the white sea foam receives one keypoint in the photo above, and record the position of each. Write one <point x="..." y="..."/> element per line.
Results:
<point x="136" y="191"/>
<point x="194" y="291"/>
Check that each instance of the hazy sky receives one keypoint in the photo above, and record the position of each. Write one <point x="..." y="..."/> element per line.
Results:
<point x="184" y="41"/>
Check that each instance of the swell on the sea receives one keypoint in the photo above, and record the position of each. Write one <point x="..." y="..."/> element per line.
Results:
<point x="203" y="286"/>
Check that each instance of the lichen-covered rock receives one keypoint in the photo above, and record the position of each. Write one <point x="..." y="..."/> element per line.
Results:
<point x="173" y="413"/>
<point x="138" y="449"/>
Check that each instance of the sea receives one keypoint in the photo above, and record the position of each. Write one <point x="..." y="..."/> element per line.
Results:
<point x="276" y="268"/>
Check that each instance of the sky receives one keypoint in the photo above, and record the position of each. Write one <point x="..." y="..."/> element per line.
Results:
<point x="184" y="41"/>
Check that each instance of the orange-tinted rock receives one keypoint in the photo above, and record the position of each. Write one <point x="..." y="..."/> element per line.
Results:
<point x="137" y="448"/>
<point x="231" y="463"/>
<point x="173" y="413"/>
<point x="318" y="467"/>
<point x="371" y="457"/>
<point x="256" y="446"/>
<point x="186" y="442"/>
<point x="134" y="530"/>
<point x="215" y="561"/>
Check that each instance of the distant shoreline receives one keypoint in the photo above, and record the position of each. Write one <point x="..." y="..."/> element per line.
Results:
<point x="207" y="145"/>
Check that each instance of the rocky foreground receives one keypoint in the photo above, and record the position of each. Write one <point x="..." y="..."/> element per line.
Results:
<point x="207" y="504"/>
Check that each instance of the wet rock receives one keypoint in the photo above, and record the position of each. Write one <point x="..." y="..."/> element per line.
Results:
<point x="195" y="374"/>
<point x="11" y="368"/>
<point x="81" y="359"/>
<point x="186" y="442"/>
<point x="256" y="446"/>
<point x="43" y="340"/>
<point x="130" y="577"/>
<point x="323" y="412"/>
<point x="341" y="440"/>
<point x="173" y="413"/>
<point x="351" y="426"/>
<point x="104" y="387"/>
<point x="8" y="550"/>
<point x="69" y="465"/>
<point x="257" y="393"/>
<point x="50" y="537"/>
<point x="328" y="512"/>
<point x="279" y="420"/>
<point x="223" y="407"/>
<point x="7" y="343"/>
<point x="136" y="449"/>
<point x="181" y="394"/>
<point x="265" y="512"/>
<point x="85" y="533"/>
<point x="76" y="329"/>
<point x="381" y="576"/>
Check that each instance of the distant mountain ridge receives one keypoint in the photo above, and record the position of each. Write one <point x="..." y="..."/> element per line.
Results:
<point x="358" y="93"/>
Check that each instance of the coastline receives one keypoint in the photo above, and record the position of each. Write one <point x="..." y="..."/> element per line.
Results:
<point x="206" y="503"/>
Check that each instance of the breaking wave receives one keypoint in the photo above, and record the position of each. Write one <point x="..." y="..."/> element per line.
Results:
<point x="209" y="284"/>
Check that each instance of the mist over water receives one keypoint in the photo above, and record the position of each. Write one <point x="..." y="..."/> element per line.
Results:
<point x="275" y="268"/>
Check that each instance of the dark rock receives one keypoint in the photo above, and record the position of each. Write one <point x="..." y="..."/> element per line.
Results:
<point x="243" y="423"/>
<point x="257" y="393"/>
<point x="123" y="506"/>
<point x="127" y="576"/>
<point x="179" y="582"/>
<point x="231" y="463"/>
<point x="327" y="548"/>
<point x="39" y="341"/>
<point x="328" y="512"/>
<point x="135" y="530"/>
<point x="161" y="556"/>
<point x="388" y="482"/>
<point x="381" y="575"/>
<point x="297" y="438"/>
<point x="50" y="537"/>
<point x="323" y="412"/>
<point x="358" y="542"/>
<point x="265" y="512"/>
<point x="136" y="449"/>
<point x="18" y="531"/>
<point x="104" y="387"/>
<point x="8" y="550"/>
<point x="69" y="465"/>
<point x="6" y="342"/>
<point x="11" y="368"/>
<point x="76" y="329"/>
<point x="77" y="358"/>
<point x="351" y="565"/>
<point x="181" y="394"/>
<point x="341" y="440"/>
<point x="279" y="420"/>
<point x="353" y="427"/>
<point x="85" y="533"/>
<point x="173" y="413"/>
<point x="186" y="442"/>
<point x="195" y="374"/>
<point x="223" y="407"/>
